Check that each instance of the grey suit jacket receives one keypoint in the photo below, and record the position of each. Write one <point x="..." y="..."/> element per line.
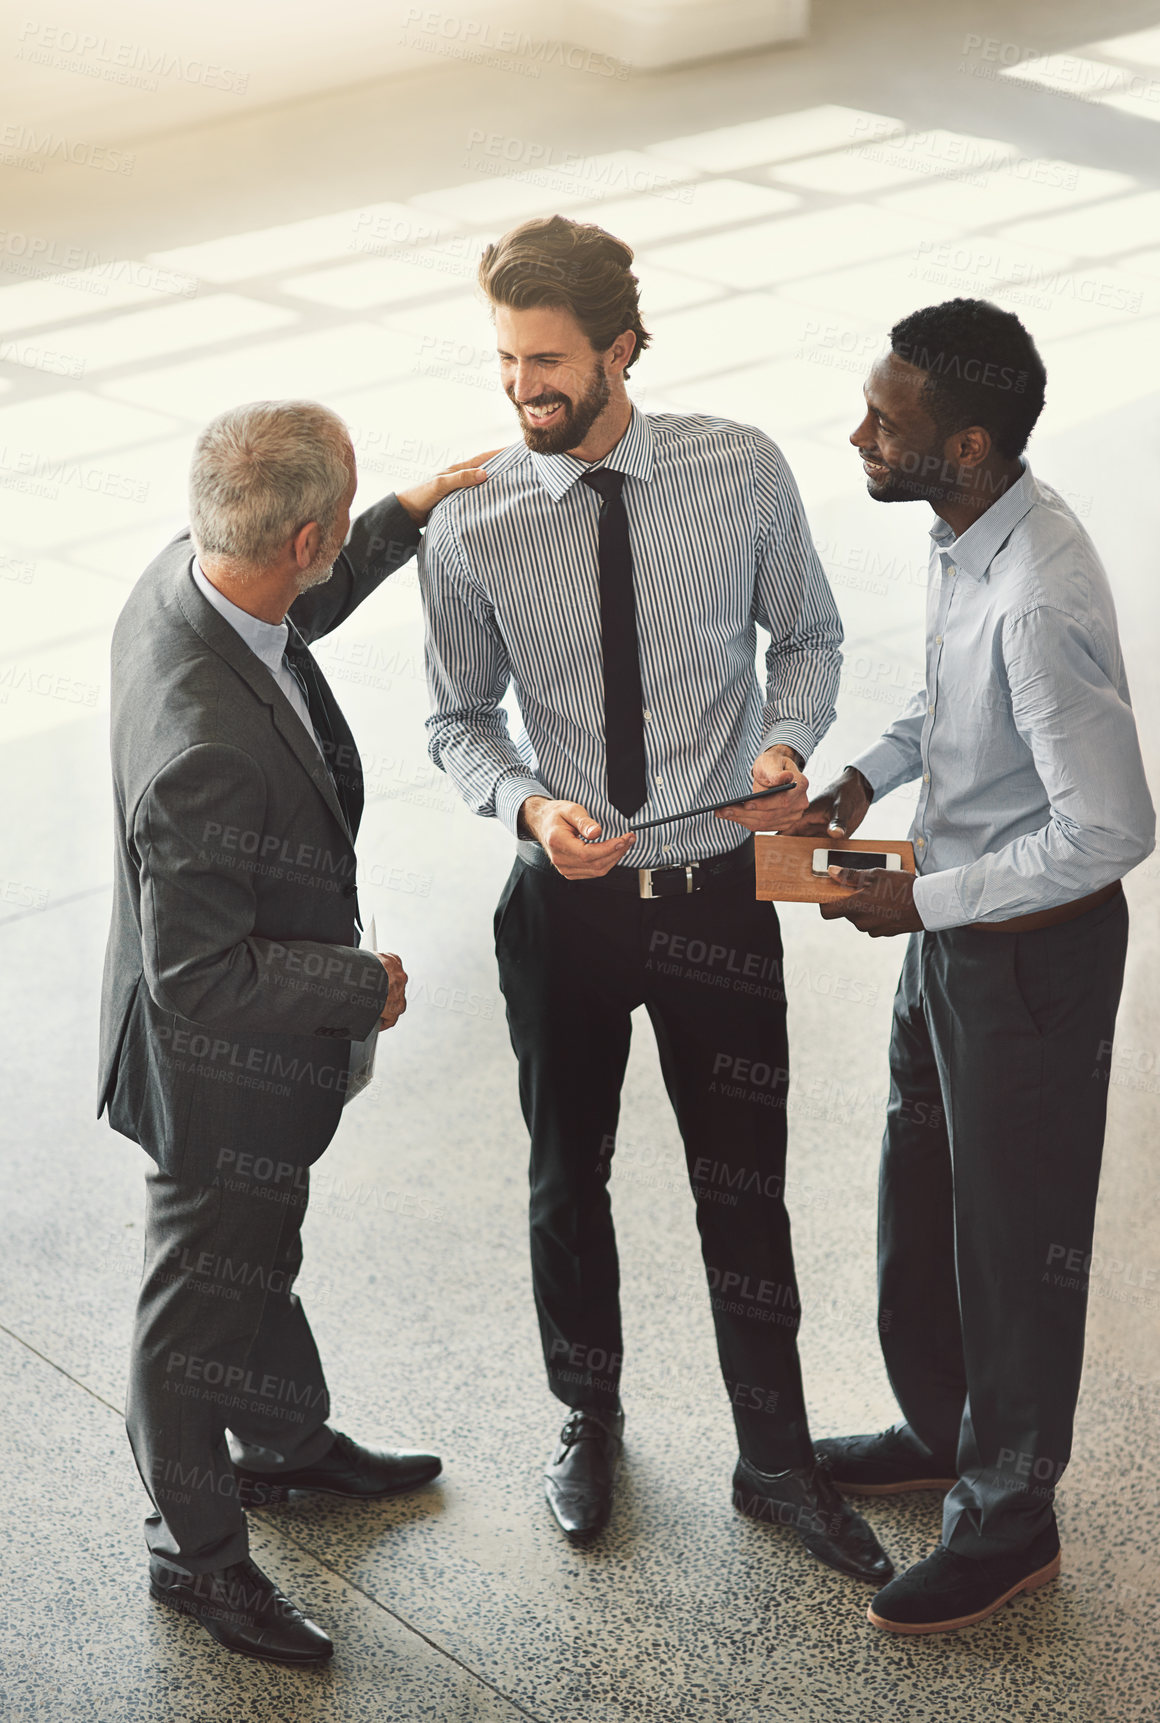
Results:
<point x="233" y="984"/>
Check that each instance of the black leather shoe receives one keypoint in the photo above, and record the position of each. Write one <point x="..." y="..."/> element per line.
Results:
<point x="346" y="1469"/>
<point x="887" y="1464"/>
<point x="949" y="1590"/>
<point x="578" y="1482"/>
<point x="805" y="1500"/>
<point x="243" y="1610"/>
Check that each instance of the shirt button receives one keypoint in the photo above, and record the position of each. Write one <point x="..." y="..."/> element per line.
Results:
<point x="920" y="843"/>
<point x="926" y="777"/>
<point x="930" y="709"/>
<point x="646" y="713"/>
<point x="660" y="783"/>
<point x="666" y="849"/>
<point x="937" y="641"/>
<point x="952" y="571"/>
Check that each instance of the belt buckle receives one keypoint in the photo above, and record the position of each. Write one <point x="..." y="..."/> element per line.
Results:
<point x="645" y="876"/>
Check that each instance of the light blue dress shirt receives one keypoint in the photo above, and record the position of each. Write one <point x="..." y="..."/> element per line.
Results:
<point x="510" y="579"/>
<point x="267" y="640"/>
<point x="1033" y="789"/>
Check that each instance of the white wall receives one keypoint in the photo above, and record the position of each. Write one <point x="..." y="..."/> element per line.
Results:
<point x="147" y="67"/>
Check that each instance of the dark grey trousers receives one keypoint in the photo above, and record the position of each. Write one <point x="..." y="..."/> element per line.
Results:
<point x="221" y="1344"/>
<point x="575" y="960"/>
<point x="999" y="1063"/>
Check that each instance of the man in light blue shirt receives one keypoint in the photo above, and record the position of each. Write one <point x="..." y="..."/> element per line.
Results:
<point x="1033" y="805"/>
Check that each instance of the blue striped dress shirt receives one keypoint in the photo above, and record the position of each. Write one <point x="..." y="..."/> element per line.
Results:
<point x="510" y="581"/>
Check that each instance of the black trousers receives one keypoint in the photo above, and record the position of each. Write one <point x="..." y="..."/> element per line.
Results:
<point x="999" y="1064"/>
<point x="575" y="958"/>
<point x="220" y="1344"/>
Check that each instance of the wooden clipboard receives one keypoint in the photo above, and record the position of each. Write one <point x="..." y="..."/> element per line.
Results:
<point x="785" y="866"/>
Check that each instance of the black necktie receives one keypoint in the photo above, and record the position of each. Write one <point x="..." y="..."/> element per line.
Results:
<point x="334" y="738"/>
<point x="623" y="700"/>
<point x="293" y="658"/>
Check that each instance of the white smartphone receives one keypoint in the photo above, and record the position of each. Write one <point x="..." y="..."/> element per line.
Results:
<point x="824" y="859"/>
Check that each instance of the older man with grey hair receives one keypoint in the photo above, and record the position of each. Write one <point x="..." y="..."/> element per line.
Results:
<point x="234" y="990"/>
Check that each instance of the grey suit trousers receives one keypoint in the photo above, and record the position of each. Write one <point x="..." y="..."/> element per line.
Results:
<point x="999" y="1066"/>
<point x="221" y="1344"/>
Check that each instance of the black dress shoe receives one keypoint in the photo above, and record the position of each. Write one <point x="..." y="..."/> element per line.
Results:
<point x="346" y="1469"/>
<point x="805" y="1500"/>
<point x="950" y="1590"/>
<point x="578" y="1482"/>
<point x="243" y="1610"/>
<point x="886" y="1464"/>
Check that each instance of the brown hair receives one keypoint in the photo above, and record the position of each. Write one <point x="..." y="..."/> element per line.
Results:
<point x="571" y="264"/>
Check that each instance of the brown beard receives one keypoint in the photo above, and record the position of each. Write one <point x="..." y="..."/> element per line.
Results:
<point x="578" y="420"/>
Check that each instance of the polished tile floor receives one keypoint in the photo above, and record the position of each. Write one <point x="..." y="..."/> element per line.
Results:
<point x="786" y="208"/>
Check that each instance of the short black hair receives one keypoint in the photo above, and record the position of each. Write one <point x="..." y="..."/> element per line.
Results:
<point x="982" y="368"/>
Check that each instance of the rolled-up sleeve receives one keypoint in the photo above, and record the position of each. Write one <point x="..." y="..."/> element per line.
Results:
<point x="1081" y="734"/>
<point x="793" y="601"/>
<point x="468" y="675"/>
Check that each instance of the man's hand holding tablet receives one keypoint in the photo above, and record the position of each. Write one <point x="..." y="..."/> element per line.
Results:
<point x="777" y="770"/>
<point x="573" y="842"/>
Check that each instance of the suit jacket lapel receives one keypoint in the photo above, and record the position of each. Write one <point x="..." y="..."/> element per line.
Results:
<point x="217" y="633"/>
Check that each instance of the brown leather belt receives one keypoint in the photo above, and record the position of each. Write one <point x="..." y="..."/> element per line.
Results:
<point x="1051" y="917"/>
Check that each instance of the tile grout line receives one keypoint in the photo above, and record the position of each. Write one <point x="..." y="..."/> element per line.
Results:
<point x="75" y="1380"/>
<point x="280" y="1531"/>
<point x="410" y="1626"/>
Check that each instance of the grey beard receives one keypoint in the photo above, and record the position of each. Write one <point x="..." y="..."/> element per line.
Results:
<point x="314" y="577"/>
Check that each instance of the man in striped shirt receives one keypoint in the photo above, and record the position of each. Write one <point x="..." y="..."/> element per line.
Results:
<point x="611" y="574"/>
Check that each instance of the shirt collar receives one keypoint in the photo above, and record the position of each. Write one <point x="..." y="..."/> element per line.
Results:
<point x="975" y="550"/>
<point x="267" y="639"/>
<point x="633" y="455"/>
